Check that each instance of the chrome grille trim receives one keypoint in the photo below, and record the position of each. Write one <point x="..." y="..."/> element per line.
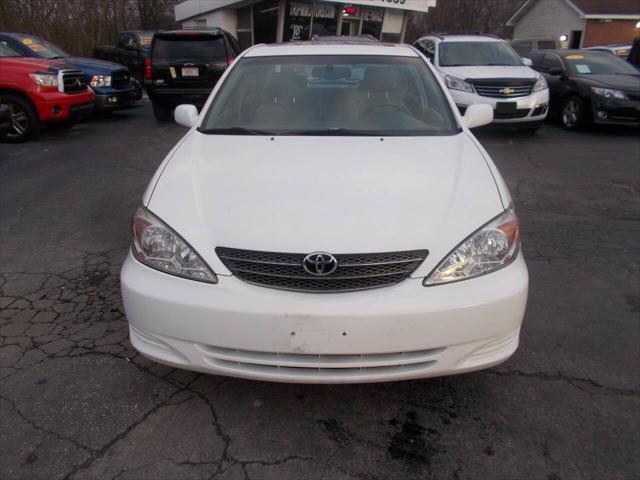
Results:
<point x="284" y="271"/>
<point x="488" y="88"/>
<point x="71" y="81"/>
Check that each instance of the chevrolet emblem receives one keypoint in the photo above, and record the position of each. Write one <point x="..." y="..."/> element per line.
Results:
<point x="507" y="90"/>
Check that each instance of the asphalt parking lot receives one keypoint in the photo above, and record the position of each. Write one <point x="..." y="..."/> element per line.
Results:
<point x="77" y="401"/>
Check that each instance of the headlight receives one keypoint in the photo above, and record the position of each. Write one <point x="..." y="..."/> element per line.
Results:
<point x="608" y="93"/>
<point x="458" y="84"/>
<point x="490" y="248"/>
<point x="158" y="246"/>
<point x="45" y="79"/>
<point x="540" y="85"/>
<point x="100" y="81"/>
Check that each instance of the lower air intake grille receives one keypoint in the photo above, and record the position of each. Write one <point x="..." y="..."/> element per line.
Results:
<point x="360" y="271"/>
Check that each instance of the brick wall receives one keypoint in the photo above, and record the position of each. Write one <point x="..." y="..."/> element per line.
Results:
<point x="615" y="31"/>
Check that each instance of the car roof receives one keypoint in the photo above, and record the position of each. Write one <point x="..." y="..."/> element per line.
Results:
<point x="464" y="37"/>
<point x="332" y="47"/>
<point x="563" y="52"/>
<point x="195" y="31"/>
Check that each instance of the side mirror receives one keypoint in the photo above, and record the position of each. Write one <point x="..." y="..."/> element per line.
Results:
<point x="526" y="62"/>
<point x="478" y="115"/>
<point x="186" y="115"/>
<point x="555" y="71"/>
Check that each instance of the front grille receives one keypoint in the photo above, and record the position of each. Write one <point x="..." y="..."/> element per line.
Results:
<point x="120" y="79"/>
<point x="360" y="271"/>
<point x="511" y="89"/>
<point x="72" y="81"/>
<point x="523" y="112"/>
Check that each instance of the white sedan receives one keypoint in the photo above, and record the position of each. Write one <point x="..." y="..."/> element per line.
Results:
<point x="328" y="218"/>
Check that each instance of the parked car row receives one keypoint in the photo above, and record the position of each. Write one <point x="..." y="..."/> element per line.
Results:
<point x="579" y="86"/>
<point x="42" y="83"/>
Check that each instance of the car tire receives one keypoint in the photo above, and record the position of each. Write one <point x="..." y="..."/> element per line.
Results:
<point x="572" y="113"/>
<point x="162" y="112"/>
<point x="25" y="123"/>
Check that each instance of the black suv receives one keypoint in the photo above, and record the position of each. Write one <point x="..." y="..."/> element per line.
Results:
<point x="184" y="66"/>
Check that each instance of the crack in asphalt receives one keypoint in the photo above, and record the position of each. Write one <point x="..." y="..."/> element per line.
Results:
<point x="576" y="382"/>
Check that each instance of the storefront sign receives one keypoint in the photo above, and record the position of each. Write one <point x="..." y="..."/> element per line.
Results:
<point x="317" y="10"/>
<point x="413" y="5"/>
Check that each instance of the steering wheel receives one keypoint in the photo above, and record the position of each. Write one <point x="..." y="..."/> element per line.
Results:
<point x="400" y="108"/>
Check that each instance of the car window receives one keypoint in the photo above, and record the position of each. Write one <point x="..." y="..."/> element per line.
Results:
<point x="234" y="45"/>
<point x="551" y="61"/>
<point x="585" y="63"/>
<point x="536" y="59"/>
<point x="331" y="95"/>
<point x="522" y="46"/>
<point x="189" y="46"/>
<point x="7" y="51"/>
<point x="122" y="40"/>
<point x="427" y="47"/>
<point x="144" y="41"/>
<point x="459" y="54"/>
<point x="547" y="45"/>
<point x="40" y="48"/>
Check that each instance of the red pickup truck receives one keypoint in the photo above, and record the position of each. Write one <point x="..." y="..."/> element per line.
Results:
<point x="40" y="91"/>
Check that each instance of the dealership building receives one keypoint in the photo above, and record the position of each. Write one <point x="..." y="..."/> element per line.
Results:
<point x="268" y="21"/>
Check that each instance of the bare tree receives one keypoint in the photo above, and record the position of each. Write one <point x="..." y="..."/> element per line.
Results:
<point x="78" y="25"/>
<point x="486" y="16"/>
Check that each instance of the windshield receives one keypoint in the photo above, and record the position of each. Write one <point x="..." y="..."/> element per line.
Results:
<point x="145" y="41"/>
<point x="7" y="51"/>
<point x="598" y="64"/>
<point x="189" y="46"/>
<point x="330" y="95"/>
<point x="466" y="54"/>
<point x="41" y="48"/>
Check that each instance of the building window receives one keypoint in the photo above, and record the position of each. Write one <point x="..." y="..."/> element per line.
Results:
<point x="200" y="22"/>
<point x="265" y="21"/>
<point x="303" y="19"/>
<point x="372" y="19"/>
<point x="244" y="27"/>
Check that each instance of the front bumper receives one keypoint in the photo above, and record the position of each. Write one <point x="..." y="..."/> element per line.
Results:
<point x="529" y="109"/>
<point x="395" y="333"/>
<point x="55" y="106"/>
<point x="172" y="97"/>
<point x="615" y="111"/>
<point x="117" y="99"/>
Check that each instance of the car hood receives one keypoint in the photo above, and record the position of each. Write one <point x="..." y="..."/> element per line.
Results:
<point x="628" y="83"/>
<point x="490" y="72"/>
<point x="30" y="65"/>
<point x="336" y="194"/>
<point x="93" y="66"/>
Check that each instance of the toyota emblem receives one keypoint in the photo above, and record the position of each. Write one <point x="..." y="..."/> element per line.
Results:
<point x="319" y="264"/>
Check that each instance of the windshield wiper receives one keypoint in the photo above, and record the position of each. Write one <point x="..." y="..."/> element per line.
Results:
<point x="233" y="131"/>
<point x="332" y="132"/>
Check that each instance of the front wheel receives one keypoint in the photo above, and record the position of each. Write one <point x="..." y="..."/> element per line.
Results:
<point x="161" y="112"/>
<point x="25" y="124"/>
<point x="572" y="113"/>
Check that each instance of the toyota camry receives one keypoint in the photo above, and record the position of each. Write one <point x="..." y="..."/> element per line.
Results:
<point x="327" y="218"/>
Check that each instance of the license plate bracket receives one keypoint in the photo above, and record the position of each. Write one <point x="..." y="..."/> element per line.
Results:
<point x="506" y="107"/>
<point x="189" y="71"/>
